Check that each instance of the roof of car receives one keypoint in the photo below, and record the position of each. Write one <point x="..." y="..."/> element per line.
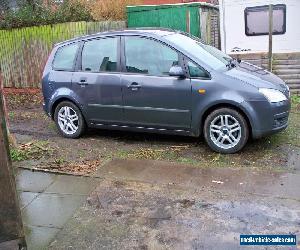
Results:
<point x="141" y="31"/>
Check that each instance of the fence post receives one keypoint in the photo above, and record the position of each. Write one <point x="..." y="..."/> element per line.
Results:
<point x="11" y="226"/>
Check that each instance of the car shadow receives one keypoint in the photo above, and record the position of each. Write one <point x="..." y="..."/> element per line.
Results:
<point x="135" y="137"/>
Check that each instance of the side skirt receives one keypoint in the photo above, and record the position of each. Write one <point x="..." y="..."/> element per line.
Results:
<point x="142" y="129"/>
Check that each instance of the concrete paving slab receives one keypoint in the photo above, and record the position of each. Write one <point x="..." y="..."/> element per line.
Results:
<point x="65" y="184"/>
<point x="38" y="238"/>
<point x="35" y="182"/>
<point x="47" y="202"/>
<point x="51" y="210"/>
<point x="26" y="198"/>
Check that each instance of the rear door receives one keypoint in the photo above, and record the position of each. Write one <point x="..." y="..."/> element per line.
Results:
<point x="151" y="97"/>
<point x="97" y="80"/>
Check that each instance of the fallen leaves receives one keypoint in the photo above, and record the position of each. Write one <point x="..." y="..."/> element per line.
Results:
<point x="27" y="98"/>
<point x="85" y="167"/>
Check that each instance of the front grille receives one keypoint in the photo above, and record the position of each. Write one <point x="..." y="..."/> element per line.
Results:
<point x="279" y="122"/>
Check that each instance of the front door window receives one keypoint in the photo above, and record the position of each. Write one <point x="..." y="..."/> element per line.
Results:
<point x="146" y="56"/>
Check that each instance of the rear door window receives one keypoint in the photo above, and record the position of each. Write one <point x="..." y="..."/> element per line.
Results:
<point x="65" y="57"/>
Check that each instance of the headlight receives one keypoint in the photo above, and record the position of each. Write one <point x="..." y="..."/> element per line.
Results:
<point x="273" y="95"/>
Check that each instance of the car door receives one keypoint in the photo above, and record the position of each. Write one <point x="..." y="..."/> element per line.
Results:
<point x="151" y="97"/>
<point x="97" y="80"/>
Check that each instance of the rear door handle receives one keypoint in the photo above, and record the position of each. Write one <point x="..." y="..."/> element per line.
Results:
<point x="134" y="86"/>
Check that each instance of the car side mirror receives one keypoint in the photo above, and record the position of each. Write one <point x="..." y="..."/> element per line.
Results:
<point x="176" y="71"/>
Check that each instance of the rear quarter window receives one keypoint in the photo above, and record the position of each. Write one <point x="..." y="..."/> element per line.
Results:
<point x="65" y="56"/>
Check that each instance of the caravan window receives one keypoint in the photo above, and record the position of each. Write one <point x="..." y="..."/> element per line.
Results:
<point x="257" y="20"/>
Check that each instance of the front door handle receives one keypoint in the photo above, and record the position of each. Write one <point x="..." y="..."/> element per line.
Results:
<point x="83" y="82"/>
<point x="134" y="86"/>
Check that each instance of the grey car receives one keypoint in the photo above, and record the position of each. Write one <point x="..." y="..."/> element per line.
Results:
<point x="161" y="81"/>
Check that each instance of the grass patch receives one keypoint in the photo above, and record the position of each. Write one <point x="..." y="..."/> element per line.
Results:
<point x="167" y="153"/>
<point x="52" y="126"/>
<point x="18" y="155"/>
<point x="295" y="99"/>
<point x="295" y="103"/>
<point x="11" y="115"/>
<point x="291" y="135"/>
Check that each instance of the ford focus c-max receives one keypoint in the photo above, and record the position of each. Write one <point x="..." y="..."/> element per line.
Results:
<point x="161" y="81"/>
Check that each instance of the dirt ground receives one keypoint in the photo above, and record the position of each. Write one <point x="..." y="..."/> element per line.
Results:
<point x="41" y="147"/>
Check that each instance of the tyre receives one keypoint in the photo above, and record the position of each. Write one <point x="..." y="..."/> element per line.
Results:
<point x="69" y="120"/>
<point x="226" y="131"/>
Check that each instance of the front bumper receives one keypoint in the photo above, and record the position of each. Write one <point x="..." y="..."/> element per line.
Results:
<point x="46" y="110"/>
<point x="268" y="118"/>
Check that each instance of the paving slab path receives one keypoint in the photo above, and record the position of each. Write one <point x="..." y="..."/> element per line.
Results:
<point x="162" y="205"/>
<point x="47" y="202"/>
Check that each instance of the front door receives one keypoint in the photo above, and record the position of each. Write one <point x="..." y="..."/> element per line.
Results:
<point x="151" y="97"/>
<point x="98" y="82"/>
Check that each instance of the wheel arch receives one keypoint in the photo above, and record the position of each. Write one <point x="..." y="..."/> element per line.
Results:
<point x="237" y="108"/>
<point x="62" y="99"/>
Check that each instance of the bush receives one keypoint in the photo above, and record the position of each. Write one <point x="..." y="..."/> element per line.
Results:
<point x="35" y="14"/>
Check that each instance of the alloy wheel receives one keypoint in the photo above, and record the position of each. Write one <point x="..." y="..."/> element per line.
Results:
<point x="225" y="131"/>
<point x="68" y="120"/>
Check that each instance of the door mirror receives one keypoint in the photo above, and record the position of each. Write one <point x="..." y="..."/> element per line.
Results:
<point x="176" y="71"/>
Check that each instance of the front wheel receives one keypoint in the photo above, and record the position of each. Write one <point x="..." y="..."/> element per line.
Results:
<point x="226" y="131"/>
<point x="69" y="120"/>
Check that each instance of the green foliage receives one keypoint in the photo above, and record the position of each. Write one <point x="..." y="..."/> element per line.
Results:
<point x="18" y="155"/>
<point x="295" y="99"/>
<point x="4" y="5"/>
<point x="30" y="150"/>
<point x="34" y="14"/>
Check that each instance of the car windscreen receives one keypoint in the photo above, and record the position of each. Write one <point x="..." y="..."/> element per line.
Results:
<point x="215" y="58"/>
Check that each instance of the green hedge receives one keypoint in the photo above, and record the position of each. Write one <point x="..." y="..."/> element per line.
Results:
<point x="34" y="15"/>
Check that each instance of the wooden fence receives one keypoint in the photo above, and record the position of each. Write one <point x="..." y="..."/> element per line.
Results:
<point x="23" y="52"/>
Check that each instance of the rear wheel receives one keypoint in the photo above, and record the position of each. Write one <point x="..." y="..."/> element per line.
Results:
<point x="226" y="131"/>
<point x="69" y="120"/>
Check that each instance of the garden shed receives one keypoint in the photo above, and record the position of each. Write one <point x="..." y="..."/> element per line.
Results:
<point x="198" y="18"/>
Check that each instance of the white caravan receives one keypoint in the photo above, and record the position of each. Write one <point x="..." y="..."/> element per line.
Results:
<point x="244" y="26"/>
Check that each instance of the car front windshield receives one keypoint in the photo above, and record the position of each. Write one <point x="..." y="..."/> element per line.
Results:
<point x="213" y="57"/>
